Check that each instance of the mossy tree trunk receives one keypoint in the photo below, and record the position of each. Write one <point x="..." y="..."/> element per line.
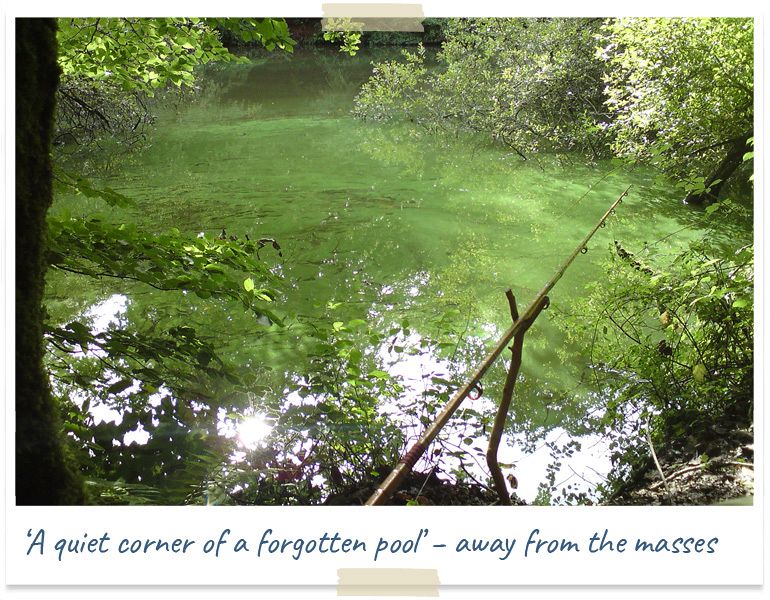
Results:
<point x="43" y="474"/>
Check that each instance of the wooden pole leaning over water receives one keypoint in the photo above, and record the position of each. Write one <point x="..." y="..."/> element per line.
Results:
<point x="392" y="481"/>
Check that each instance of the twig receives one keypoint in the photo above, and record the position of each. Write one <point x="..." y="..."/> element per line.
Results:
<point x="580" y="476"/>
<point x="655" y="458"/>
<point x="699" y="466"/>
<point x="462" y="336"/>
<point x="433" y="468"/>
<point x="476" y="481"/>
<point x="512" y="305"/>
<point x="736" y="463"/>
<point x="505" y="402"/>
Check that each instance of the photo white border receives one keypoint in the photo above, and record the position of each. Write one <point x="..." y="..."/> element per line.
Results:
<point x="732" y="524"/>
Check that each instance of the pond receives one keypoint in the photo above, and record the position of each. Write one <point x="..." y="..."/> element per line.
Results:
<point x="417" y="234"/>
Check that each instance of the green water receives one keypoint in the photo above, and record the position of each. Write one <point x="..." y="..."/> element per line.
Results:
<point x="382" y="221"/>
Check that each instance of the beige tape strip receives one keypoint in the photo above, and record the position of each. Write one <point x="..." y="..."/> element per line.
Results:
<point x="372" y="17"/>
<point x="387" y="582"/>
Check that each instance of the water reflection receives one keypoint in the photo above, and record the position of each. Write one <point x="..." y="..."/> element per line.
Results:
<point x="378" y="223"/>
<point x="252" y="430"/>
<point x="412" y="359"/>
<point x="581" y="471"/>
<point x="107" y="313"/>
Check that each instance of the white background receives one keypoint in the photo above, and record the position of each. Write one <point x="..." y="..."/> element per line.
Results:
<point x="740" y="553"/>
<point x="737" y="557"/>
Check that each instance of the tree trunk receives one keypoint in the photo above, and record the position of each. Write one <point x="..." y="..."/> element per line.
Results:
<point x="723" y="171"/>
<point x="43" y="474"/>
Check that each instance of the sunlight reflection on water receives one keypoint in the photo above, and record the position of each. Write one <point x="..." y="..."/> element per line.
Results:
<point x="252" y="430"/>
<point x="583" y="471"/>
<point x="107" y="312"/>
<point x="249" y="430"/>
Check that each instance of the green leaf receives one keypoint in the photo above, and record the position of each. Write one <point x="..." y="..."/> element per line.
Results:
<point x="119" y="386"/>
<point x="699" y="372"/>
<point x="248" y="284"/>
<point x="204" y="357"/>
<point x="741" y="303"/>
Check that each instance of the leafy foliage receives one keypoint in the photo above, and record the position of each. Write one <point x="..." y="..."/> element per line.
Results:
<point x="145" y="54"/>
<point x="342" y="424"/>
<point x="111" y="66"/>
<point x="328" y="432"/>
<point x="677" y="93"/>
<point x="681" y="91"/>
<point x="334" y="425"/>
<point x="531" y="84"/>
<point x="154" y="378"/>
<point x="331" y="429"/>
<point x="672" y="346"/>
<point x="131" y="380"/>
<point x="344" y="31"/>
<point x="66" y="182"/>
<point x="202" y="266"/>
<point x="673" y="340"/>
<point x="148" y="374"/>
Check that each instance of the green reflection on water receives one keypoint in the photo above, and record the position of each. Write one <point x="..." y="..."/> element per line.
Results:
<point x="385" y="219"/>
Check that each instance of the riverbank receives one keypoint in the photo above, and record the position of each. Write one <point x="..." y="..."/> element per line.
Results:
<point x="716" y="467"/>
